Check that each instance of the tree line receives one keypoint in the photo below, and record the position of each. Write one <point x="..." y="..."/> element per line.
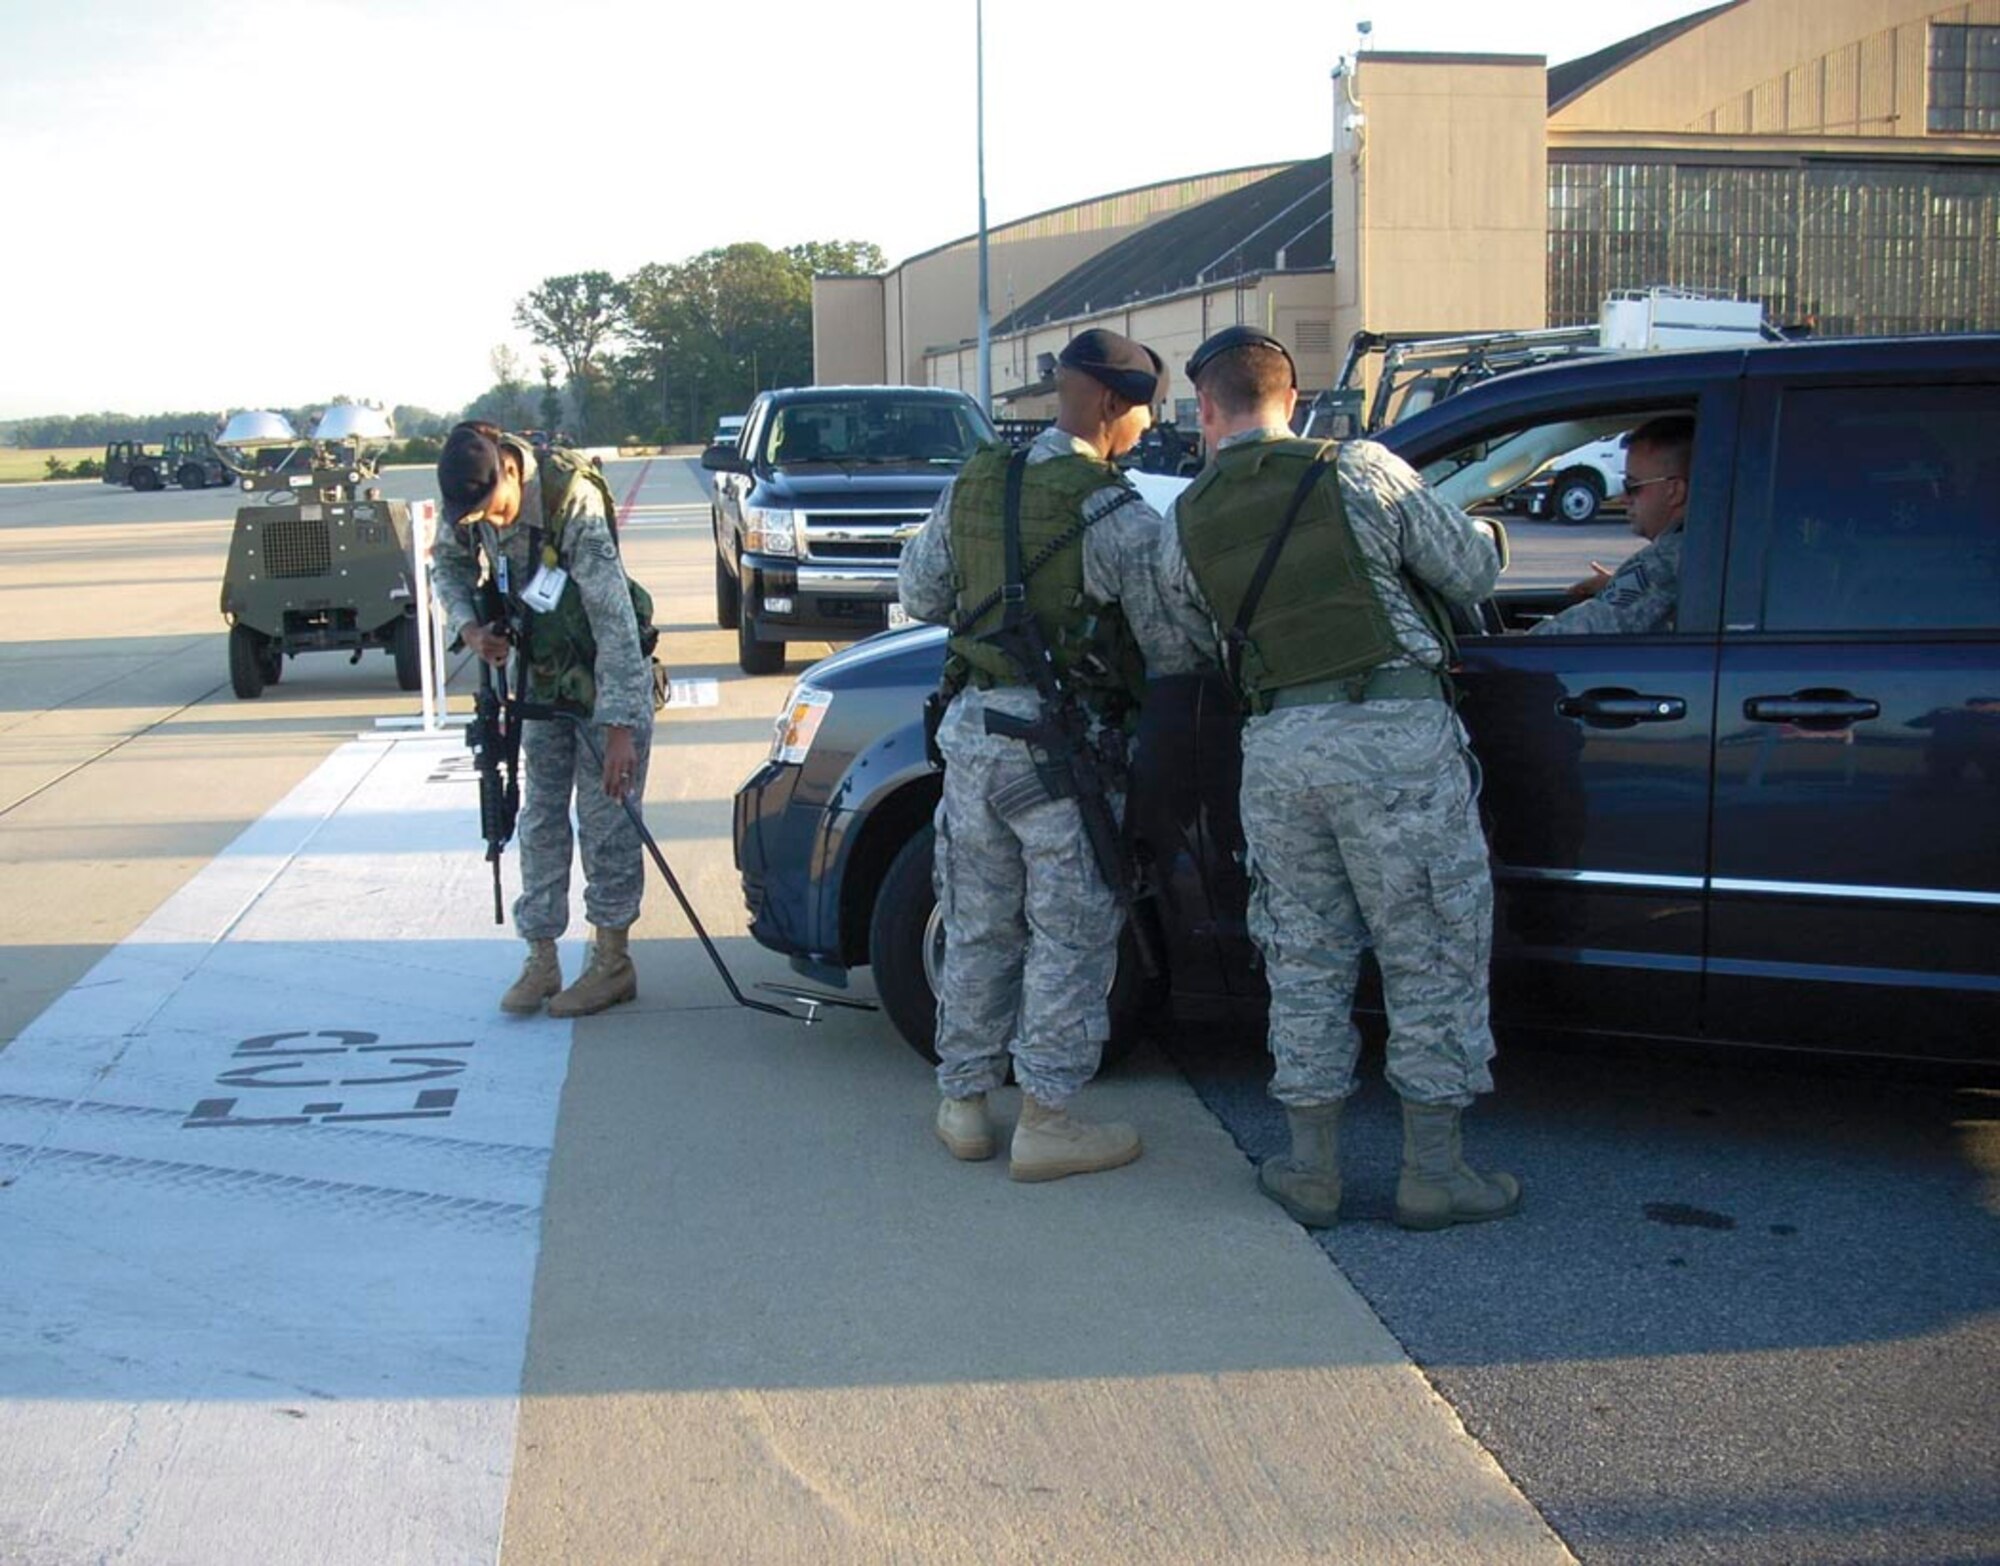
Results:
<point x="653" y="357"/>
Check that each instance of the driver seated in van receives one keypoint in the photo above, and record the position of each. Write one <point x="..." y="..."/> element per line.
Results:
<point x="1640" y="595"/>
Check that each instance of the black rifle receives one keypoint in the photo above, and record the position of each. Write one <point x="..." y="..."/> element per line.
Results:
<point x="494" y="738"/>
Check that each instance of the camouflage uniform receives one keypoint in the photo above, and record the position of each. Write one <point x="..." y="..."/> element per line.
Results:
<point x="1361" y="822"/>
<point x="1031" y="930"/>
<point x="1641" y="595"/>
<point x="555" y="763"/>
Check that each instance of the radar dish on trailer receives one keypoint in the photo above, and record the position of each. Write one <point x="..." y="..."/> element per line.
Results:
<point x="257" y="427"/>
<point x="354" y="421"/>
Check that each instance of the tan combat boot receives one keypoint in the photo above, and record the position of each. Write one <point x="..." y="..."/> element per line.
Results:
<point x="1306" y="1182"/>
<point x="964" y="1126"/>
<point x="608" y="980"/>
<point x="1436" y="1189"/>
<point x="1050" y="1143"/>
<point x="541" y="977"/>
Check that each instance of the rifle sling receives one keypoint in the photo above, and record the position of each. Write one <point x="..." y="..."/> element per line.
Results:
<point x="1239" y="633"/>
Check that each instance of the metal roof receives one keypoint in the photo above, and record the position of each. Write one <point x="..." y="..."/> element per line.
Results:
<point x="1569" y="80"/>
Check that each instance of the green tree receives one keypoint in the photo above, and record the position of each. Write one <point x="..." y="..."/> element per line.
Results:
<point x="577" y="315"/>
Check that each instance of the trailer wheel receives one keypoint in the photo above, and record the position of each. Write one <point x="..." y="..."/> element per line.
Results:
<point x="246" y="662"/>
<point x="409" y="654"/>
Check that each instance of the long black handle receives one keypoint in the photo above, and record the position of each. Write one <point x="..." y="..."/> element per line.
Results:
<point x="1616" y="707"/>
<point x="1834" y="709"/>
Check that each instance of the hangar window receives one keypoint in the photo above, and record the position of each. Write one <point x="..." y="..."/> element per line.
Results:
<point x="1965" y="79"/>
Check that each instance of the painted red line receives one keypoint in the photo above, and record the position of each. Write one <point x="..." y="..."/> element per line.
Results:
<point x="632" y="496"/>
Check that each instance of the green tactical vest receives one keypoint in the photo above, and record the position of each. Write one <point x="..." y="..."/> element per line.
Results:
<point x="1320" y="617"/>
<point x="1095" y="654"/>
<point x="562" y="651"/>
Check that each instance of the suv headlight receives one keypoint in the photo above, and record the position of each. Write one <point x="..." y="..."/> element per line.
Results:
<point x="769" y="532"/>
<point x="798" y="725"/>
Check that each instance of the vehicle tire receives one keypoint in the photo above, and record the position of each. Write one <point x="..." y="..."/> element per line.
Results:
<point x="728" y="596"/>
<point x="147" y="479"/>
<point x="246" y="662"/>
<point x="191" y="476"/>
<point x="409" y="653"/>
<point x="906" y="950"/>
<point x="1577" y="498"/>
<point x="272" y="662"/>
<point x="753" y="656"/>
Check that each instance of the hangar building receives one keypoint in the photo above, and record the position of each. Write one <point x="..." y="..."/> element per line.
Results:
<point x="1837" y="160"/>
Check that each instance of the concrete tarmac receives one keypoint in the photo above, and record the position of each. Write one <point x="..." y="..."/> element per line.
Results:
<point x="772" y="1319"/>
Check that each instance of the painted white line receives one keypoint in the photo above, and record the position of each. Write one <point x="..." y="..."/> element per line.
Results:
<point x="693" y="693"/>
<point x="270" y="1189"/>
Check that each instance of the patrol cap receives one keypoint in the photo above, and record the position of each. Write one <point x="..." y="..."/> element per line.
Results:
<point x="468" y="468"/>
<point x="1130" y="369"/>
<point x="1231" y="337"/>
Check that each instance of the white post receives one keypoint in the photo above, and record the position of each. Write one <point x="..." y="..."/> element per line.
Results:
<point x="423" y="528"/>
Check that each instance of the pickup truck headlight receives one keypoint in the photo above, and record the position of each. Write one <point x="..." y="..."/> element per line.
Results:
<point x="769" y="532"/>
<point x="793" y="734"/>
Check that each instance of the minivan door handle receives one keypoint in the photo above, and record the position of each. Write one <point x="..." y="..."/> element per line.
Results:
<point x="1824" y="709"/>
<point x="1614" y="707"/>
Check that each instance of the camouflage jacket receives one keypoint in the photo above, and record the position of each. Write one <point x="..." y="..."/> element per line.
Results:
<point x="1119" y="563"/>
<point x="1639" y="597"/>
<point x="1398" y="526"/>
<point x="622" y="672"/>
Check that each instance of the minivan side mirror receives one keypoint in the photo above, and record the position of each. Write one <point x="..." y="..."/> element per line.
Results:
<point x="723" y="459"/>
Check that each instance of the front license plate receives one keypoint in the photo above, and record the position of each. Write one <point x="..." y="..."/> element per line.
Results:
<point x="899" y="617"/>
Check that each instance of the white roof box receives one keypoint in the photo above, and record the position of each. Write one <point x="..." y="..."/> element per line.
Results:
<point x="354" y="421"/>
<point x="257" y="427"/>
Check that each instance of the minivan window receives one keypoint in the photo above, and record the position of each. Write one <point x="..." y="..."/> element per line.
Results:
<point x="1885" y="510"/>
<point x="874" y="431"/>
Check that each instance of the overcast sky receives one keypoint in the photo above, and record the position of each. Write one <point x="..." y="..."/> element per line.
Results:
<point x="215" y="204"/>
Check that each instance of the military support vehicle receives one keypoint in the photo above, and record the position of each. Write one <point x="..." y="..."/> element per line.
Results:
<point x="318" y="561"/>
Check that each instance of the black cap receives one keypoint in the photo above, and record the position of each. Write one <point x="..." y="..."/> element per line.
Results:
<point x="1130" y="369"/>
<point x="468" y="468"/>
<point x="1237" y="337"/>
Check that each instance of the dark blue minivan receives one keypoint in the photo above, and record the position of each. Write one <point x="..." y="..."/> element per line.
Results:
<point x="1776" y="823"/>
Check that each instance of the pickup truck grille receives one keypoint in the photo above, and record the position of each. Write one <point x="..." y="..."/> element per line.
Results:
<point x="835" y="536"/>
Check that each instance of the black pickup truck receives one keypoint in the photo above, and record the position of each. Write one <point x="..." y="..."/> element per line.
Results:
<point x="1776" y="823"/>
<point x="812" y="504"/>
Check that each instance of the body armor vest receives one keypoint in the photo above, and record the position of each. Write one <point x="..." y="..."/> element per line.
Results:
<point x="561" y="647"/>
<point x="1094" y="651"/>
<point x="1320" y="616"/>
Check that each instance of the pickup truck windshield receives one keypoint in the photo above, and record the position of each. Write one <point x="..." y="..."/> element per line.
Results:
<point x="873" y="432"/>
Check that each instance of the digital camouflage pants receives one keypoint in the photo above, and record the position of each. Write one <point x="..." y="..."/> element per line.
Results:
<point x="1031" y="930"/>
<point x="1363" y="830"/>
<point x="558" y="770"/>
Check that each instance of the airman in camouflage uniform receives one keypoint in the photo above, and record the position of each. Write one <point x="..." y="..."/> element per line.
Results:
<point x="492" y="486"/>
<point x="1643" y="593"/>
<point x="1031" y="929"/>
<point x="1357" y="797"/>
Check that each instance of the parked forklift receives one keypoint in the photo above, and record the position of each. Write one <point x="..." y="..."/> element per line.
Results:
<point x="318" y="560"/>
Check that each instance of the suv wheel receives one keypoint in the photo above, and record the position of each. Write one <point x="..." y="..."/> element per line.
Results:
<point x="753" y="656"/>
<point x="1577" y="497"/>
<point x="246" y="662"/>
<point x="728" y="596"/>
<point x="906" y="955"/>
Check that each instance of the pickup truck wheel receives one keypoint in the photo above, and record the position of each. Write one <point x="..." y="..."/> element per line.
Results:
<point x="728" y="596"/>
<point x="753" y="656"/>
<point x="906" y="954"/>
<point x="1577" y="497"/>
<point x="246" y="662"/>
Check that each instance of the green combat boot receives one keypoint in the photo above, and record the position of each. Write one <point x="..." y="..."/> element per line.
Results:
<point x="964" y="1126"/>
<point x="608" y="980"/>
<point x="1050" y="1143"/>
<point x="541" y="977"/>
<point x="1306" y="1183"/>
<point x="1437" y="1190"/>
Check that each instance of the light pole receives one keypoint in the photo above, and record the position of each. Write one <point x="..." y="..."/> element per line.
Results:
<point x="985" y="321"/>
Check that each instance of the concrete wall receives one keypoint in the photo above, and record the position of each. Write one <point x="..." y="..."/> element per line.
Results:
<point x="1441" y="194"/>
<point x="848" y="331"/>
<point x="1783" y="67"/>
